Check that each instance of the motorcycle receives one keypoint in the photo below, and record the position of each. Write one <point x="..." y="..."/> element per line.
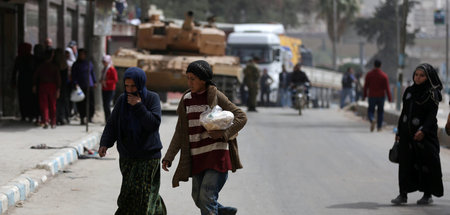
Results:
<point x="300" y="98"/>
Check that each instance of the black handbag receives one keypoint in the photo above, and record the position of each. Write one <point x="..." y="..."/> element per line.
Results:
<point x="393" y="152"/>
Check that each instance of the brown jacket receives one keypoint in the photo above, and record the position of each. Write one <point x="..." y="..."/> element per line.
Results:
<point x="180" y="139"/>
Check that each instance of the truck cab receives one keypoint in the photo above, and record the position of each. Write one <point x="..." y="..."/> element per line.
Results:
<point x="261" y="41"/>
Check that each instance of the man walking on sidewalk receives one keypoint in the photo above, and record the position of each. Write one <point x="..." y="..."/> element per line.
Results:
<point x="376" y="86"/>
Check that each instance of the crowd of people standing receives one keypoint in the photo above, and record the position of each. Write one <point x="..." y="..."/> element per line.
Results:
<point x="46" y="77"/>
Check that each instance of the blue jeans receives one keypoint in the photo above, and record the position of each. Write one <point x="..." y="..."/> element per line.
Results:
<point x="285" y="97"/>
<point x="379" y="102"/>
<point x="205" y="190"/>
<point x="344" y="93"/>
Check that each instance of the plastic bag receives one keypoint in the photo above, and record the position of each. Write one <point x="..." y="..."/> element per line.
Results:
<point x="77" y="95"/>
<point x="216" y="119"/>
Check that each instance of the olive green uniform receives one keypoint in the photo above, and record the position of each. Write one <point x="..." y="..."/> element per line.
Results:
<point x="251" y="79"/>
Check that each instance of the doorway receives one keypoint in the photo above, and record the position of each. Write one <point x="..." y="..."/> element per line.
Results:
<point x="8" y="47"/>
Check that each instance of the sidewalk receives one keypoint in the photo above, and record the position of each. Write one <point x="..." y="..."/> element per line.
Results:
<point x="23" y="169"/>
<point x="391" y="116"/>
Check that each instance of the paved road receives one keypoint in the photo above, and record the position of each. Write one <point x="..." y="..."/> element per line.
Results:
<point x="324" y="162"/>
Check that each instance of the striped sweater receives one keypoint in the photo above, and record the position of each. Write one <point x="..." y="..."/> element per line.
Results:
<point x="207" y="153"/>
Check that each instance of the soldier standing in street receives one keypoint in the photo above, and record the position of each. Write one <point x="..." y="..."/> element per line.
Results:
<point x="251" y="77"/>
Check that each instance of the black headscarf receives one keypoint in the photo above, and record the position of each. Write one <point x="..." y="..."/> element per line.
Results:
<point x="430" y="88"/>
<point x="202" y="70"/>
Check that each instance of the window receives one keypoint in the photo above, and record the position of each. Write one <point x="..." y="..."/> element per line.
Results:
<point x="52" y="23"/>
<point x="81" y="37"/>
<point x="69" y="25"/>
<point x="32" y="23"/>
<point x="247" y="52"/>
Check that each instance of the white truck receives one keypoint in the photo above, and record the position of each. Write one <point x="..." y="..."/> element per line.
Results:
<point x="264" y="42"/>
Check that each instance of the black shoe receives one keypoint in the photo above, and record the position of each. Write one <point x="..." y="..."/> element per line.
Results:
<point x="82" y="122"/>
<point x="227" y="211"/>
<point x="401" y="199"/>
<point x="45" y="126"/>
<point x="425" y="200"/>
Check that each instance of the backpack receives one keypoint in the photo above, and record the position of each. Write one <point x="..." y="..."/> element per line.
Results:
<point x="347" y="81"/>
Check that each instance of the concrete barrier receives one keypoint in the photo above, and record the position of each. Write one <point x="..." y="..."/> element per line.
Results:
<point x="391" y="118"/>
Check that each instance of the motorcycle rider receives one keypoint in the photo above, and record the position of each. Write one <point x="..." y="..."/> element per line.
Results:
<point x="300" y="78"/>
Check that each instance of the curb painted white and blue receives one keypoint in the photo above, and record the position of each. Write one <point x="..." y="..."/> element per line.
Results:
<point x="21" y="187"/>
<point x="65" y="157"/>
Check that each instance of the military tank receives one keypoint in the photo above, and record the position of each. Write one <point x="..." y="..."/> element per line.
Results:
<point x="164" y="50"/>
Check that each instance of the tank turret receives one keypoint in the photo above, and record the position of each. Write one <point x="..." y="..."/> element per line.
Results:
<point x="164" y="37"/>
<point x="166" y="49"/>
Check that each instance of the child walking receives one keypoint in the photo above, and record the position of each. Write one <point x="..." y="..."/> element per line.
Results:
<point x="206" y="156"/>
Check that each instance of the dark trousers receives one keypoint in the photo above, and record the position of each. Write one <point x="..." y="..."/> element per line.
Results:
<point x="107" y="96"/>
<point x="265" y="93"/>
<point x="251" y="102"/>
<point x="63" y="106"/>
<point x="379" y="103"/>
<point x="81" y="106"/>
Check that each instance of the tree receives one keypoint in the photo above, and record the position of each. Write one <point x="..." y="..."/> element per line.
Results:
<point x="346" y="11"/>
<point x="239" y="11"/>
<point x="346" y="14"/>
<point x="381" y="28"/>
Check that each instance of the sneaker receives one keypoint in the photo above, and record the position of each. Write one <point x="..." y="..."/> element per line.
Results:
<point x="399" y="200"/>
<point x="372" y="126"/>
<point x="227" y="211"/>
<point x="379" y="129"/>
<point x="45" y="126"/>
<point x="425" y="200"/>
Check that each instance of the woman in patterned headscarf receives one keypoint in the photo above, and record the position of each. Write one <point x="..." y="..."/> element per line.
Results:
<point x="419" y="162"/>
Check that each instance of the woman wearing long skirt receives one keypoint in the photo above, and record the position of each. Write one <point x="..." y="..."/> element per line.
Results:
<point x="134" y="124"/>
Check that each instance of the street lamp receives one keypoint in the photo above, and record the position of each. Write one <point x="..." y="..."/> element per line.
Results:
<point x="446" y="46"/>
<point x="399" y="84"/>
<point x="334" y="33"/>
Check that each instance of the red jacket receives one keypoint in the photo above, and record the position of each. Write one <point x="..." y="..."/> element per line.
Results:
<point x="111" y="79"/>
<point x="377" y="83"/>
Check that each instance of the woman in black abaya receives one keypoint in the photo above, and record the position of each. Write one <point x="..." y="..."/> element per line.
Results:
<point x="419" y="162"/>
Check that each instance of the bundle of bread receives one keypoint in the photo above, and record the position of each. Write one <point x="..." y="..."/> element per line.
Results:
<point x="216" y="119"/>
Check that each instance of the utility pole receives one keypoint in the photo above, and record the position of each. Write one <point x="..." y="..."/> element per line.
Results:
<point x="401" y="56"/>
<point x="99" y="25"/>
<point x="446" y="47"/>
<point x="398" y="99"/>
<point x="88" y="34"/>
<point x="334" y="34"/>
